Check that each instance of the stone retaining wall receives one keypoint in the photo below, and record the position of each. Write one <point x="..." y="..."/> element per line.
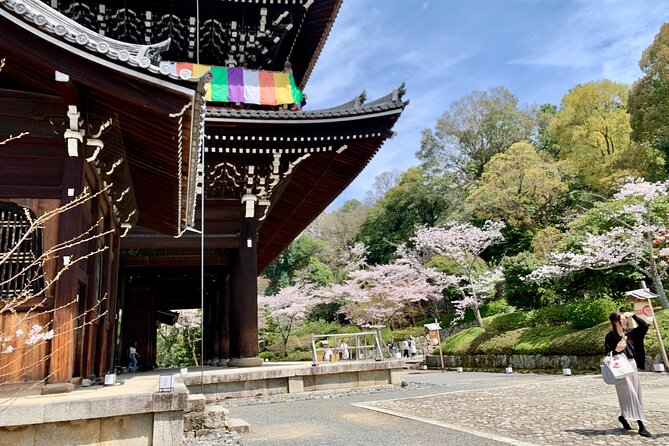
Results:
<point x="519" y="362"/>
<point x="525" y="362"/>
<point x="268" y="381"/>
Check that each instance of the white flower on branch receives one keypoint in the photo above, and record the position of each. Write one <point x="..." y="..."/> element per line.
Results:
<point x="463" y="243"/>
<point x="633" y="241"/>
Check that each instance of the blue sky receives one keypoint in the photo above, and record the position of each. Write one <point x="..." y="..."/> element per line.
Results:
<point x="445" y="49"/>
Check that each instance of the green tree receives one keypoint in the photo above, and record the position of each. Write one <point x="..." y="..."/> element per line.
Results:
<point x="418" y="200"/>
<point x="545" y="141"/>
<point x="295" y="260"/>
<point x="649" y="96"/>
<point x="592" y="130"/>
<point x="473" y="130"/>
<point x="521" y="186"/>
<point x="521" y="293"/>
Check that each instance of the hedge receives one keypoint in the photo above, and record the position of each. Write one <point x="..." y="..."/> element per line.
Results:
<point x="560" y="340"/>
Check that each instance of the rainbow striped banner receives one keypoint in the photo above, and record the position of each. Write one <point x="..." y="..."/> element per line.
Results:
<point x="242" y="85"/>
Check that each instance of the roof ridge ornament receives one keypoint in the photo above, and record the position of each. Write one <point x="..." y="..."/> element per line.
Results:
<point x="399" y="92"/>
<point x="54" y="22"/>
<point x="360" y="99"/>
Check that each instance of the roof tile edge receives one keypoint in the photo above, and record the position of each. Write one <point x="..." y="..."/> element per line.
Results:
<point x="52" y="21"/>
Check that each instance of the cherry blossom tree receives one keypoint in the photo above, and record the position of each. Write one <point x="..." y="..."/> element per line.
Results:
<point x="634" y="235"/>
<point x="463" y="244"/>
<point x="287" y="308"/>
<point x="374" y="294"/>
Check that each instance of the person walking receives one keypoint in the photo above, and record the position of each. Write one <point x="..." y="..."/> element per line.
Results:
<point x="412" y="346"/>
<point x="132" y="355"/>
<point x="404" y="346"/>
<point x="624" y="340"/>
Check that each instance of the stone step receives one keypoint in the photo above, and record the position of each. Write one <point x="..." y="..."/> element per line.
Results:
<point x="238" y="425"/>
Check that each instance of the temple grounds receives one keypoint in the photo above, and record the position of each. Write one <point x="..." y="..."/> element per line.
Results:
<point x="464" y="409"/>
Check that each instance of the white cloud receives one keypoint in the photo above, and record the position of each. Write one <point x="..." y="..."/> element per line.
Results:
<point x="605" y="37"/>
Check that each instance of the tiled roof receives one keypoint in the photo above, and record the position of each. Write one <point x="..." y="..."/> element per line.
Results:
<point x="356" y="106"/>
<point x="48" y="19"/>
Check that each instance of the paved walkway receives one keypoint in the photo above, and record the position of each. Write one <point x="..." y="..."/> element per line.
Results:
<point x="570" y="411"/>
<point x="464" y="409"/>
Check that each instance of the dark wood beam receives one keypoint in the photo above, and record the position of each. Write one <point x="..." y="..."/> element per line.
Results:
<point x="173" y="260"/>
<point x="217" y="241"/>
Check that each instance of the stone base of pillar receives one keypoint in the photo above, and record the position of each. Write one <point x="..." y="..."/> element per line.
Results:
<point x="245" y="362"/>
<point x="222" y="362"/>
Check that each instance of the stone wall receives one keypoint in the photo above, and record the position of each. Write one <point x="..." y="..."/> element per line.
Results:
<point x="266" y="381"/>
<point x="518" y="362"/>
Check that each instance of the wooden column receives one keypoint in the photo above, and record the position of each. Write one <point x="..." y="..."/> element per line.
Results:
<point x="223" y="296"/>
<point x="210" y="344"/>
<point x="244" y="300"/>
<point x="61" y="364"/>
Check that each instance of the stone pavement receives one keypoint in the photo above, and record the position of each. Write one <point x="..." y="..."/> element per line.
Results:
<point x="576" y="410"/>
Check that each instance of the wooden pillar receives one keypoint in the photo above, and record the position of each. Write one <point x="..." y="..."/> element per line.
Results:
<point x="91" y="329"/>
<point x="223" y="296"/>
<point x="210" y="345"/>
<point x="244" y="300"/>
<point x="61" y="364"/>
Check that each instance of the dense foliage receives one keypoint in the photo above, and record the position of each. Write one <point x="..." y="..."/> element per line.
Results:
<point x="576" y="194"/>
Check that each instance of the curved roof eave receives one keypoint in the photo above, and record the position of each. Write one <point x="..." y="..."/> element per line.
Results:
<point x="352" y="110"/>
<point x="61" y="28"/>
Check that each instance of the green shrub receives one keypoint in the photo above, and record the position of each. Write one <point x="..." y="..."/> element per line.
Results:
<point x="543" y="340"/>
<point x="521" y="293"/>
<point x="588" y="313"/>
<point x="350" y="329"/>
<point x="493" y="307"/>
<point x="553" y="316"/>
<point x="581" y="342"/>
<point x="509" y="321"/>
<point x="270" y="356"/>
<point x="299" y="355"/>
<point x="447" y="319"/>
<point x="316" y="327"/>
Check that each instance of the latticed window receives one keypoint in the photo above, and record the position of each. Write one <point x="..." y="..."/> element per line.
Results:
<point x="21" y="273"/>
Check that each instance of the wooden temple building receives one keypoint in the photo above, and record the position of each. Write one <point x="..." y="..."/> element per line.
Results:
<point x="130" y="135"/>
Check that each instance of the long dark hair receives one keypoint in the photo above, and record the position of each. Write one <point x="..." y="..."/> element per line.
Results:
<point x="615" y="317"/>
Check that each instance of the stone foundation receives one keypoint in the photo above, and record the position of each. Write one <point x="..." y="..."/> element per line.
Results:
<point x="521" y="362"/>
<point x="266" y="381"/>
<point x="128" y="416"/>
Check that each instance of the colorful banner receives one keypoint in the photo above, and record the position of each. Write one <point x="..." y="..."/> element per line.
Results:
<point x="244" y="86"/>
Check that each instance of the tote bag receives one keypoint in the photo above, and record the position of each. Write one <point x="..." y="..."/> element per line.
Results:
<point x="615" y="367"/>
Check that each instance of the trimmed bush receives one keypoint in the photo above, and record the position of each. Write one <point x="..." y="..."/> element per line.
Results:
<point x="493" y="307"/>
<point x="509" y="321"/>
<point x="553" y="316"/>
<point x="588" y="313"/>
<point x="544" y="340"/>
